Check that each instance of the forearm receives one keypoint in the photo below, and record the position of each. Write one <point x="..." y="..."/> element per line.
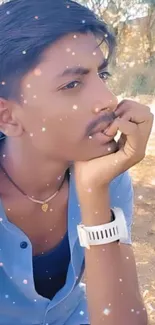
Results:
<point x="111" y="295"/>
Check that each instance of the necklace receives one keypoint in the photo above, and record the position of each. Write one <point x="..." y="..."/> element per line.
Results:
<point x="44" y="204"/>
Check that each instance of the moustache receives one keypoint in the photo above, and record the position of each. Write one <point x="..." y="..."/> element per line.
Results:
<point x="107" y="118"/>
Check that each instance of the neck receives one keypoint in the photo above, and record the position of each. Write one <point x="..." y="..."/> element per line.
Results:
<point x="36" y="175"/>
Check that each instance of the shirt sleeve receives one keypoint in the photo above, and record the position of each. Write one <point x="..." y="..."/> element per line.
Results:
<point x="122" y="196"/>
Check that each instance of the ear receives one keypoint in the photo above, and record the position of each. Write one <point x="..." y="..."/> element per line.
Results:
<point x="9" y="125"/>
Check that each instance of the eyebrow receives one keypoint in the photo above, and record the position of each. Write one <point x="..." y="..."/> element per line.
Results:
<point x="81" y="70"/>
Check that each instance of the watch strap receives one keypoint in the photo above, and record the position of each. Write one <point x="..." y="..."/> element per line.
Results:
<point x="104" y="234"/>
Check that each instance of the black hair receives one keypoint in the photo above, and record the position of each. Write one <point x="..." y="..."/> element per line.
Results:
<point x="28" y="27"/>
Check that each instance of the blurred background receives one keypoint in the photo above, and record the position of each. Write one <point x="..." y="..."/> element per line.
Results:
<point x="133" y="70"/>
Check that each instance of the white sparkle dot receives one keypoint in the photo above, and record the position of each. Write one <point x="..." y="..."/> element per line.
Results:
<point x="36" y="17"/>
<point x="11" y="277"/>
<point x="118" y="197"/>
<point x="109" y="149"/>
<point x="75" y="107"/>
<point x="25" y="281"/>
<point x="106" y="311"/>
<point x="73" y="53"/>
<point x="83" y="21"/>
<point x="37" y="72"/>
<point x="140" y="197"/>
<point x="75" y="36"/>
<point x="3" y="83"/>
<point x="9" y="209"/>
<point x="106" y="35"/>
<point x="81" y="313"/>
<point x="8" y="12"/>
<point x="127" y="257"/>
<point x="43" y="129"/>
<point x="25" y="101"/>
<point x="31" y="134"/>
<point x="68" y="49"/>
<point x="132" y="310"/>
<point x="24" y="52"/>
<point x="4" y="155"/>
<point x="137" y="312"/>
<point x="120" y="280"/>
<point x="68" y="6"/>
<point x="82" y="285"/>
<point x="1" y="264"/>
<point x="94" y="53"/>
<point x="96" y="109"/>
<point x="144" y="308"/>
<point x="28" y="86"/>
<point x="35" y="300"/>
<point x="6" y="296"/>
<point x="34" y="96"/>
<point x="90" y="137"/>
<point x="1" y="219"/>
<point x="13" y="302"/>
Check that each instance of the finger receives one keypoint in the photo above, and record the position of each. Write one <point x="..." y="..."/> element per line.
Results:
<point x="110" y="148"/>
<point x="131" y="134"/>
<point x="112" y="129"/>
<point x="138" y="112"/>
<point x="122" y="125"/>
<point x="143" y="120"/>
<point x="136" y="115"/>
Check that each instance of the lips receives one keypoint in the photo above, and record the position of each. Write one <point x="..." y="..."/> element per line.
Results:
<point x="101" y="128"/>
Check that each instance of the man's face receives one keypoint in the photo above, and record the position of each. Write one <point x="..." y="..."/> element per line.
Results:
<point x="59" y="107"/>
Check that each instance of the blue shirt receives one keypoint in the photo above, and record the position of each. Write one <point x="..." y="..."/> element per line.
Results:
<point x="20" y="304"/>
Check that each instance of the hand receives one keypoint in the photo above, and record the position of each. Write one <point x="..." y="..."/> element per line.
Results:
<point x="134" y="121"/>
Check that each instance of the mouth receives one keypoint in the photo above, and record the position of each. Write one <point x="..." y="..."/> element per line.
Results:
<point x="101" y="128"/>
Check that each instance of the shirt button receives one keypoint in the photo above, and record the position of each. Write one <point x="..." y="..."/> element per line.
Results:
<point x="23" y="244"/>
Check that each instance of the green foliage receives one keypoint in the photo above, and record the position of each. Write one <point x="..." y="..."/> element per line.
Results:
<point x="152" y="2"/>
<point x="143" y="84"/>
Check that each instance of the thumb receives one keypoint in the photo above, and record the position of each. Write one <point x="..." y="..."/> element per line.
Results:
<point x="124" y="126"/>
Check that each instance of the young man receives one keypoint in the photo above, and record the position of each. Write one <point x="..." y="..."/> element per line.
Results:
<point x="61" y="166"/>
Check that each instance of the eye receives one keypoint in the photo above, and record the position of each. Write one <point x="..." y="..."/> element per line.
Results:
<point x="72" y="85"/>
<point x="105" y="75"/>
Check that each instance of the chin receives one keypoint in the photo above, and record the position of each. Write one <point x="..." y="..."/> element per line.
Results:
<point x="100" y="151"/>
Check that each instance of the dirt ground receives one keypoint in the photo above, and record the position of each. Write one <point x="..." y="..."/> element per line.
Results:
<point x="143" y="233"/>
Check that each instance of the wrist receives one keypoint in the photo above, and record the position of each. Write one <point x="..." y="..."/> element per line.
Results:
<point x="95" y="208"/>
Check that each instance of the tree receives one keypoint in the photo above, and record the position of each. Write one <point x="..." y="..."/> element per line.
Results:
<point x="151" y="28"/>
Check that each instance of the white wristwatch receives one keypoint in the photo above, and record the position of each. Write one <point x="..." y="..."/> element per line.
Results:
<point x="104" y="234"/>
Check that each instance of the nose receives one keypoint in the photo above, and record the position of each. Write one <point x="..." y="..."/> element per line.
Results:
<point x="104" y="99"/>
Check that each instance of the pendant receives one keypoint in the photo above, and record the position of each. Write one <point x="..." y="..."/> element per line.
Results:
<point x="44" y="207"/>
